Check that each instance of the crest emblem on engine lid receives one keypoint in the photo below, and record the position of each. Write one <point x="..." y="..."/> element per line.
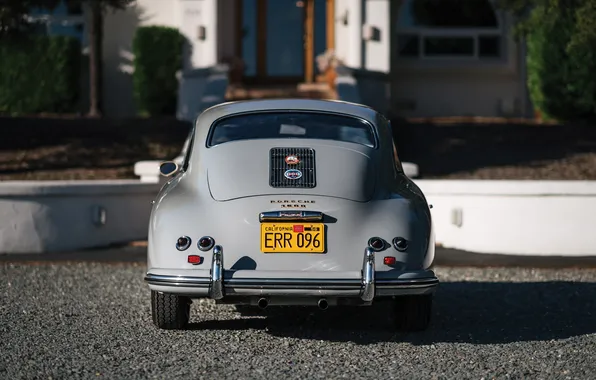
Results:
<point x="293" y="174"/>
<point x="292" y="160"/>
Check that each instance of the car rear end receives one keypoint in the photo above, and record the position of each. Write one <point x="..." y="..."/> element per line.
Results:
<point x="315" y="215"/>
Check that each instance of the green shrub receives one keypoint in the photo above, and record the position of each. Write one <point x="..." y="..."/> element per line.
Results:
<point x="40" y="74"/>
<point x="561" y="62"/>
<point x="157" y="57"/>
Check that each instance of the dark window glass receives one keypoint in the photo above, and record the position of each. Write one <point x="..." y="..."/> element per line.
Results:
<point x="448" y="14"/>
<point x="287" y="125"/>
<point x="74" y="8"/>
<point x="408" y="45"/>
<point x="489" y="46"/>
<point x="458" y="46"/>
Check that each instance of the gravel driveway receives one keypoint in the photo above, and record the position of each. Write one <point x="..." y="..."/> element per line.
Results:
<point x="92" y="320"/>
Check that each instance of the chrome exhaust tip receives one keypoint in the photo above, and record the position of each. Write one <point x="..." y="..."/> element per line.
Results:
<point x="323" y="304"/>
<point x="263" y="303"/>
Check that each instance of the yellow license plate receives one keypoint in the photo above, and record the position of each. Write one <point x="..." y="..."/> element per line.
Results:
<point x="293" y="237"/>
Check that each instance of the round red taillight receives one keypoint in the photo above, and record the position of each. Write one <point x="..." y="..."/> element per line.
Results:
<point x="182" y="243"/>
<point x="206" y="243"/>
<point x="376" y="243"/>
<point x="400" y="243"/>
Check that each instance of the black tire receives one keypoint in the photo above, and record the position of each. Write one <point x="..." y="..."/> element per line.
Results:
<point x="170" y="311"/>
<point x="413" y="313"/>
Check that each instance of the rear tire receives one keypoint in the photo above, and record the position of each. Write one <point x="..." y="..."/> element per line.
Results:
<point x="170" y="311"/>
<point x="413" y="313"/>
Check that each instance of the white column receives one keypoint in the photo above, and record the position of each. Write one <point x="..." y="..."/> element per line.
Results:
<point x="199" y="26"/>
<point x="377" y="42"/>
<point x="348" y="31"/>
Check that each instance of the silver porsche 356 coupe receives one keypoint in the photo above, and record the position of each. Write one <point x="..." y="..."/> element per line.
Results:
<point x="290" y="202"/>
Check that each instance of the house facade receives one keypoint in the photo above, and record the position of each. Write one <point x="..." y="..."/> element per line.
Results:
<point x="412" y="58"/>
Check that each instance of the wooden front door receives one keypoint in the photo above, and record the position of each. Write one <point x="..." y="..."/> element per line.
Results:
<point x="279" y="40"/>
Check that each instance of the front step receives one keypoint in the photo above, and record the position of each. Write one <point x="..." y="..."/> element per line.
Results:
<point x="303" y="90"/>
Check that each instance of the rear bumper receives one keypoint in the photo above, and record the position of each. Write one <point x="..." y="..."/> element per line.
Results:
<point x="368" y="285"/>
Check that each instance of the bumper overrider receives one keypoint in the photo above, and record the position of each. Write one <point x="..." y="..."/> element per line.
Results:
<point x="217" y="286"/>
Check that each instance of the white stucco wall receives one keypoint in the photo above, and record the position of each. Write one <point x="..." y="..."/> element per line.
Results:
<point x="120" y="27"/>
<point x="119" y="30"/>
<point x="196" y="14"/>
<point x="462" y="87"/>
<point x="348" y="32"/>
<point x="376" y="35"/>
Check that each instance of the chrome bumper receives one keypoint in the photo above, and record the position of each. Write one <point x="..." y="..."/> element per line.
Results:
<point x="367" y="287"/>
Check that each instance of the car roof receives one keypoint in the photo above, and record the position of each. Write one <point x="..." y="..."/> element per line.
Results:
<point x="325" y="105"/>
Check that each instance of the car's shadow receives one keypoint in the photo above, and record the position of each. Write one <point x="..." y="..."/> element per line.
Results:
<point x="467" y="312"/>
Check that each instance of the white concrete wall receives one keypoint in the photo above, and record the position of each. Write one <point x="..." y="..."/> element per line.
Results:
<point x="514" y="217"/>
<point x="53" y="216"/>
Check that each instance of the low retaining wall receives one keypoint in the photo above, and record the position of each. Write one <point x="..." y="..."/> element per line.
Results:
<point x="51" y="216"/>
<point x="200" y="89"/>
<point x="551" y="218"/>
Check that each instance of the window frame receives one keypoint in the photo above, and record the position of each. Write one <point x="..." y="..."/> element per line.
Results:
<point x="373" y="128"/>
<point x="422" y="33"/>
<point x="62" y="16"/>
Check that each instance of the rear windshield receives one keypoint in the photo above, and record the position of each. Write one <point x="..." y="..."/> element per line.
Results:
<point x="286" y="125"/>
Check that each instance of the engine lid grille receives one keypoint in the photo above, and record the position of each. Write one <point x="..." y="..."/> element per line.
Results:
<point x="292" y="168"/>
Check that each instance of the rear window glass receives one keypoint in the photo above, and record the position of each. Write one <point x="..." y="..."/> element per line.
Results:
<point x="301" y="125"/>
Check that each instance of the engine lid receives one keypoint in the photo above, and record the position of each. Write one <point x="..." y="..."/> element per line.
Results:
<point x="255" y="168"/>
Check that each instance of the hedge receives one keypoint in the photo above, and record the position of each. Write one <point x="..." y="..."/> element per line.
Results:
<point x="561" y="65"/>
<point x="40" y="74"/>
<point x="157" y="57"/>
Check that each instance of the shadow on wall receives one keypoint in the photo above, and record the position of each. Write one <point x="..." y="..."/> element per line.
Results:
<point x="119" y="30"/>
<point x="493" y="150"/>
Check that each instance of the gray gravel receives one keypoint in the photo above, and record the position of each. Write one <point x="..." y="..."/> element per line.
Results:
<point x="92" y="320"/>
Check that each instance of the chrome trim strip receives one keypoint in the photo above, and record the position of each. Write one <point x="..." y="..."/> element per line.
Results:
<point x="288" y="283"/>
<point x="158" y="279"/>
<point x="291" y="215"/>
<point x="216" y="290"/>
<point x="285" y="283"/>
<point x="411" y="281"/>
<point x="368" y="275"/>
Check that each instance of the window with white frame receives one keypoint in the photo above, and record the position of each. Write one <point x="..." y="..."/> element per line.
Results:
<point x="468" y="29"/>
<point x="66" y="19"/>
